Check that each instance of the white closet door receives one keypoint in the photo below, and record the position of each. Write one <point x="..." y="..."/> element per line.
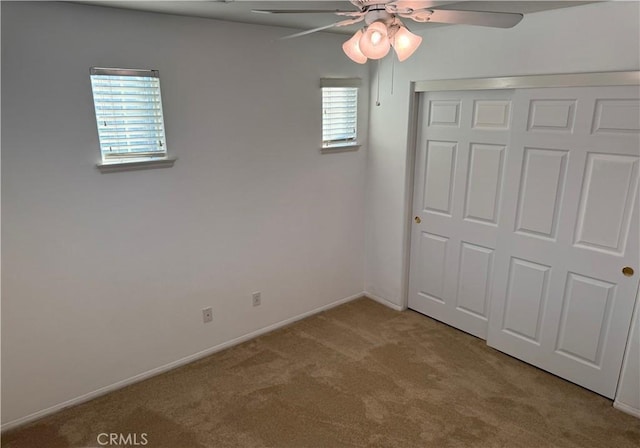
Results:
<point x="569" y="227"/>
<point x="460" y="168"/>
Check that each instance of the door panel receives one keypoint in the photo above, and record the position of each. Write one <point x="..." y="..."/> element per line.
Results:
<point x="439" y="176"/>
<point x="460" y="168"/>
<point x="541" y="187"/>
<point x="605" y="207"/>
<point x="444" y="113"/>
<point x="484" y="183"/>
<point x="617" y="116"/>
<point x="551" y="115"/>
<point x="585" y="318"/>
<point x="527" y="291"/>
<point x="491" y="114"/>
<point x="474" y="280"/>
<point x="571" y="220"/>
<point x="433" y="259"/>
<point x="528" y="210"/>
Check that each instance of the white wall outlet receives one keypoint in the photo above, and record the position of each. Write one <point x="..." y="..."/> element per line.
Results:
<point x="257" y="299"/>
<point x="207" y="315"/>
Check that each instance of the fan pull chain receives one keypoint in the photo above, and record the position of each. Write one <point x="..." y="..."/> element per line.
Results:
<point x="378" y="92"/>
<point x="393" y="70"/>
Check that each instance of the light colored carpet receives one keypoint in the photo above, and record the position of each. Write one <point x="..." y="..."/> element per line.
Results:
<point x="356" y="375"/>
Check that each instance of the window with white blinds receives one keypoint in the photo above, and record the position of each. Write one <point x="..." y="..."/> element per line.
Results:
<point x="339" y="116"/>
<point x="128" y="109"/>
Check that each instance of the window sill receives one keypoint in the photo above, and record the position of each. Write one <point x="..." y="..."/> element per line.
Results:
<point x="132" y="166"/>
<point x="340" y="148"/>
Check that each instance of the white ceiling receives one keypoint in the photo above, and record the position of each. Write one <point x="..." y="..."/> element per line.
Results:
<point x="240" y="10"/>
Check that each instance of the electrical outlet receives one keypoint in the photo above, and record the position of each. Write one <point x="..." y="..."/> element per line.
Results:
<point x="207" y="315"/>
<point x="257" y="299"/>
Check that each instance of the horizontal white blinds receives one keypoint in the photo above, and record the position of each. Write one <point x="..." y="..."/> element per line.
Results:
<point x="339" y="115"/>
<point x="129" y="115"/>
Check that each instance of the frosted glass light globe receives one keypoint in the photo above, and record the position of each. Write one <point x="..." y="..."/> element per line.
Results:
<point x="352" y="48"/>
<point x="374" y="42"/>
<point x="405" y="43"/>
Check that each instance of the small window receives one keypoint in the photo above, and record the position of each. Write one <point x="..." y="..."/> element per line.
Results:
<point x="128" y="109"/>
<point x="339" y="113"/>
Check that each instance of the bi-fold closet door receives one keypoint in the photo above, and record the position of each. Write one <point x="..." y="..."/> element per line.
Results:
<point x="526" y="223"/>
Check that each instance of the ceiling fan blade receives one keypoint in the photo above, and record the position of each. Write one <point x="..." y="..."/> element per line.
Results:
<point x="313" y="30"/>
<point x="326" y="27"/>
<point x="301" y="11"/>
<point x="480" y="18"/>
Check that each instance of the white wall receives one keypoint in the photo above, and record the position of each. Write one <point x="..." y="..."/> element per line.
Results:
<point x="104" y="275"/>
<point x="597" y="37"/>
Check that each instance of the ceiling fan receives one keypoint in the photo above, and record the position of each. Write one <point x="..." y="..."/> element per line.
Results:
<point x="384" y="28"/>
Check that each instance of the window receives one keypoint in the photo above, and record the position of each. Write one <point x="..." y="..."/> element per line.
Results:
<point x="339" y="113"/>
<point x="128" y="108"/>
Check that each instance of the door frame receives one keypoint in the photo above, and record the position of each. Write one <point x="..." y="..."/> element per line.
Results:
<point x="589" y="79"/>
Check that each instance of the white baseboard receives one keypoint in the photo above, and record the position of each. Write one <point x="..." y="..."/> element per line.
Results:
<point x="170" y="366"/>
<point x="626" y="409"/>
<point x="384" y="302"/>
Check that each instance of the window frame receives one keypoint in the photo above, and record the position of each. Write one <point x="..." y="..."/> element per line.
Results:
<point x="341" y="145"/>
<point x="127" y="163"/>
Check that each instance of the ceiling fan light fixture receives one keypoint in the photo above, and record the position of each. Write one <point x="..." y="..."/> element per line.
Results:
<point x="405" y="43"/>
<point x="374" y="42"/>
<point x="352" y="48"/>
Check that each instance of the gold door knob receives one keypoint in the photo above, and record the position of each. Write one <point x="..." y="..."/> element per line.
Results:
<point x="417" y="219"/>
<point x="627" y="271"/>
